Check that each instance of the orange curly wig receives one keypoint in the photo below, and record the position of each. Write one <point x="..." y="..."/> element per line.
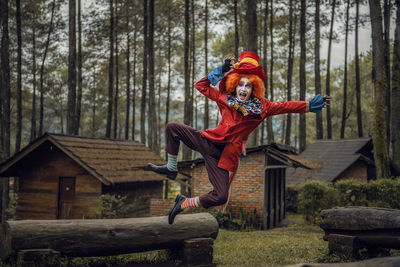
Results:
<point x="233" y="80"/>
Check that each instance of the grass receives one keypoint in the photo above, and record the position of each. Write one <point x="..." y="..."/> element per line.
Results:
<point x="296" y="243"/>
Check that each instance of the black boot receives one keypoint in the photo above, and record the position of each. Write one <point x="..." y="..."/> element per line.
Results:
<point x="176" y="209"/>
<point x="163" y="170"/>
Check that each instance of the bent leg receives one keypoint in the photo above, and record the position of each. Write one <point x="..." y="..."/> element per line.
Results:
<point x="176" y="132"/>
<point x="219" y="178"/>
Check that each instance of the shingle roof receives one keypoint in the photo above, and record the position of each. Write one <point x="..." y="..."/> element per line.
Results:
<point x="111" y="161"/>
<point x="331" y="158"/>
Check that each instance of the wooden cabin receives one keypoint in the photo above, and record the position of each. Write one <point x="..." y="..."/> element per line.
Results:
<point x="259" y="183"/>
<point x="64" y="177"/>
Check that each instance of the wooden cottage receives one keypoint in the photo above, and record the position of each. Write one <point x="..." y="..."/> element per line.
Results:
<point x="63" y="177"/>
<point x="259" y="183"/>
<point x="334" y="160"/>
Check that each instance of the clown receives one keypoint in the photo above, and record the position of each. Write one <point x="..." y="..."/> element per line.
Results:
<point x="242" y="105"/>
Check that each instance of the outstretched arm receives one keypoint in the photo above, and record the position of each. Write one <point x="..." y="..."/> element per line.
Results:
<point x="315" y="105"/>
<point x="204" y="85"/>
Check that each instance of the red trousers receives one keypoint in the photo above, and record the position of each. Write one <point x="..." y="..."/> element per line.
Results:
<point x="211" y="152"/>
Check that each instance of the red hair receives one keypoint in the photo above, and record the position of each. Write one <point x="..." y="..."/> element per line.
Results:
<point x="233" y="80"/>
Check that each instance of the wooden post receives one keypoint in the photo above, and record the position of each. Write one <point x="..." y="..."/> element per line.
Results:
<point x="197" y="252"/>
<point x="38" y="257"/>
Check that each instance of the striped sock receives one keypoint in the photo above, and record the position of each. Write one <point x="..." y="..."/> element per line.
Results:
<point x="190" y="203"/>
<point x="172" y="162"/>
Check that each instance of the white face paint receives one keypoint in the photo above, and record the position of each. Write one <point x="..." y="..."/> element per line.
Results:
<point x="243" y="89"/>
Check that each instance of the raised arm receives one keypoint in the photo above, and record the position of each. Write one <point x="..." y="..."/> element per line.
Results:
<point x="204" y="85"/>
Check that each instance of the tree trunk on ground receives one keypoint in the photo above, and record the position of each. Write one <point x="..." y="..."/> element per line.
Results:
<point x="206" y="105"/>
<point x="328" y="72"/>
<point x="380" y="84"/>
<point x="302" y="123"/>
<point x="106" y="236"/>
<point x="144" y="78"/>
<point x="152" y="110"/>
<point x="186" y="116"/>
<point x="71" y="68"/>
<point x="33" y="118"/>
<point x="396" y="90"/>
<point x="317" y="69"/>
<point x="19" y="79"/>
<point x="110" y="72"/>
<point x="358" y="79"/>
<point x="128" y="74"/>
<point x="79" y="93"/>
<point x="344" y="108"/>
<point x="116" y="93"/>
<point x="290" y="71"/>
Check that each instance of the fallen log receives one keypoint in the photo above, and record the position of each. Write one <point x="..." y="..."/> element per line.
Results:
<point x="350" y="229"/>
<point x="104" y="237"/>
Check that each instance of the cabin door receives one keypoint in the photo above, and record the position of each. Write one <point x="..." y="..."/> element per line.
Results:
<point x="66" y="195"/>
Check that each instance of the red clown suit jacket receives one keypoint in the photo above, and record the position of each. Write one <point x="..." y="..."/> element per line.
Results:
<point x="234" y="128"/>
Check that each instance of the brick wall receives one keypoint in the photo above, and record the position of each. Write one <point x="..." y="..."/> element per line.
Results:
<point x="160" y="207"/>
<point x="247" y="187"/>
<point x="357" y="171"/>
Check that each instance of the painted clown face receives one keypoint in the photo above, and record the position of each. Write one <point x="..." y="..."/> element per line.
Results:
<point x="243" y="89"/>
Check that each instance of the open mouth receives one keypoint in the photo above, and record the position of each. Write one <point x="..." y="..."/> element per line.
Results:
<point x="242" y="96"/>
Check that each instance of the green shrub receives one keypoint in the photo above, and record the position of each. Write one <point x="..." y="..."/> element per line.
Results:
<point x="351" y="192"/>
<point x="292" y="194"/>
<point x="384" y="193"/>
<point x="113" y="206"/>
<point x="315" y="196"/>
<point x="245" y="221"/>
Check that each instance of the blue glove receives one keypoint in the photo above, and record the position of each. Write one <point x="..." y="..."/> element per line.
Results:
<point x="218" y="73"/>
<point x="316" y="104"/>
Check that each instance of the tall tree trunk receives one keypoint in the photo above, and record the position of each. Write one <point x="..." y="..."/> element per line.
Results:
<point x="33" y="118"/>
<point x="317" y="67"/>
<point x="344" y="109"/>
<point x="116" y="93"/>
<point x="167" y="104"/>
<point x="110" y="72"/>
<point x="79" y="93"/>
<point x="5" y="94"/>
<point x="270" y="131"/>
<point x="386" y="25"/>
<point x="144" y="78"/>
<point x="266" y="122"/>
<point x="328" y="72"/>
<point x="153" y="120"/>
<point x="71" y="68"/>
<point x="290" y="71"/>
<point x="206" y="105"/>
<point x="134" y="83"/>
<point x="302" y="123"/>
<point x="235" y="12"/>
<point x="380" y="84"/>
<point x="187" y="108"/>
<point x="128" y="74"/>
<point x="41" y="89"/>
<point x="251" y="16"/>
<point x="396" y="90"/>
<point x="94" y="101"/>
<point x="193" y="62"/>
<point x="358" y="79"/>
<point x="19" y="78"/>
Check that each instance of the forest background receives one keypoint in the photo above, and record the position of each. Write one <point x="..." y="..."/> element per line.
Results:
<point x="122" y="69"/>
